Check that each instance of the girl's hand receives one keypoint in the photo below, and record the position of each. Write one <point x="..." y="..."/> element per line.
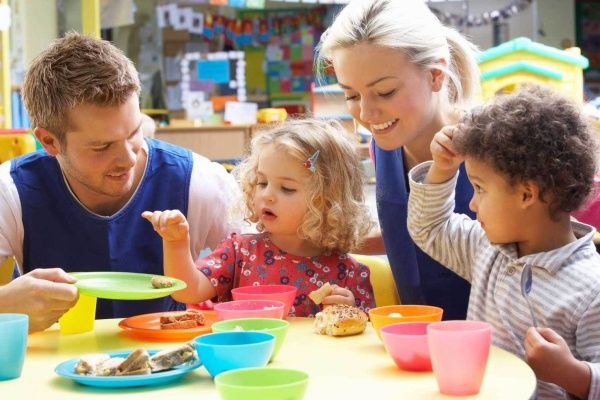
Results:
<point x="549" y="356"/>
<point x="446" y="160"/>
<point x="339" y="295"/>
<point x="171" y="225"/>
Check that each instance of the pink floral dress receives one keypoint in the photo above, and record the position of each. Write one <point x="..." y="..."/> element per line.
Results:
<point x="252" y="259"/>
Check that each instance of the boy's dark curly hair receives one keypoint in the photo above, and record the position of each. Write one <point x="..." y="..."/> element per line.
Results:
<point x="535" y="135"/>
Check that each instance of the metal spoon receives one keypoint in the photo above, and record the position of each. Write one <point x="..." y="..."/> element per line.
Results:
<point x="526" y="281"/>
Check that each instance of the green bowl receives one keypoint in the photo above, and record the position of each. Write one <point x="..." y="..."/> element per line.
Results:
<point x="276" y="327"/>
<point x="262" y="383"/>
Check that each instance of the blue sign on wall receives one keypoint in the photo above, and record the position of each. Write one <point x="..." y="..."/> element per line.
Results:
<point x="214" y="70"/>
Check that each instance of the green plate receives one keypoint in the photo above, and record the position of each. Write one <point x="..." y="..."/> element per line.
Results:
<point x="122" y="285"/>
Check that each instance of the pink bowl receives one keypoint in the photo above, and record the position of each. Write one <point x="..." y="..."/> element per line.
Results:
<point x="249" y="309"/>
<point x="406" y="343"/>
<point x="284" y="293"/>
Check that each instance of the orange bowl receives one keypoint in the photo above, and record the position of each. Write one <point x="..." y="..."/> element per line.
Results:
<point x="380" y="316"/>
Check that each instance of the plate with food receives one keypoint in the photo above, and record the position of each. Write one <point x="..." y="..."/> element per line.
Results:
<point x="139" y="367"/>
<point x="172" y="325"/>
<point x="126" y="285"/>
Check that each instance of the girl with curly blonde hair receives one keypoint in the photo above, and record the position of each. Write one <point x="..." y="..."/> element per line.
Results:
<point x="302" y="188"/>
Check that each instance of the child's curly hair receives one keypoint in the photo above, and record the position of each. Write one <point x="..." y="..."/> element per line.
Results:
<point x="337" y="218"/>
<point x="535" y="135"/>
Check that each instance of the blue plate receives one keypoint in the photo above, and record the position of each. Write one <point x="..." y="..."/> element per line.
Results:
<point x="67" y="369"/>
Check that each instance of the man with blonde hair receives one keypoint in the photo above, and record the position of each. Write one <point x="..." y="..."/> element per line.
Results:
<point x="76" y="204"/>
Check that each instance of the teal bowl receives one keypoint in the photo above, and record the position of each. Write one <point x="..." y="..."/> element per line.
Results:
<point x="276" y="327"/>
<point x="262" y="384"/>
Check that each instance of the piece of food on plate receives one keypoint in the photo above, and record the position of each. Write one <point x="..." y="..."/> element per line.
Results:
<point x="136" y="363"/>
<point x="318" y="295"/>
<point x="161" y="282"/>
<point x="109" y="367"/>
<point x="88" y="363"/>
<point x="340" y="320"/>
<point x="172" y="357"/>
<point x="181" y="319"/>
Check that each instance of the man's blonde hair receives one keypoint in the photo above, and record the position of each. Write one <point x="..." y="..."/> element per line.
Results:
<point x="337" y="218"/>
<point x="74" y="70"/>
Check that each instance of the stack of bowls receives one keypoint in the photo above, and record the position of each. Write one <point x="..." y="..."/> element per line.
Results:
<point x="276" y="327"/>
<point x="224" y="351"/>
<point x="284" y="293"/>
<point x="249" y="309"/>
<point x="387" y="315"/>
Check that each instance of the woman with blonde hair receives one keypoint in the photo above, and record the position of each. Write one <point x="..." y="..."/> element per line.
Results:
<point x="404" y="76"/>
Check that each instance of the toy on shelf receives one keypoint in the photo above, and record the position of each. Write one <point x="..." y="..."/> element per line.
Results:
<point x="523" y="62"/>
<point x="15" y="142"/>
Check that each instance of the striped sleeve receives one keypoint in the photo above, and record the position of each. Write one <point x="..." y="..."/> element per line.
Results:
<point x="588" y="343"/>
<point x="451" y="239"/>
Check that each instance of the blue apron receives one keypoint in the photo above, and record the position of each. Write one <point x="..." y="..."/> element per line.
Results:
<point x="419" y="278"/>
<point x="59" y="232"/>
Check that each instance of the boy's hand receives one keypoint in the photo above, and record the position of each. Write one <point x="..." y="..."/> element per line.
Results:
<point x="339" y="295"/>
<point x="549" y="356"/>
<point x="171" y="225"/>
<point x="445" y="158"/>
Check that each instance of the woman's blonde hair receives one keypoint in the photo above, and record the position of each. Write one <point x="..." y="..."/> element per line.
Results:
<point x="410" y="27"/>
<point x="337" y="218"/>
<point x="73" y="70"/>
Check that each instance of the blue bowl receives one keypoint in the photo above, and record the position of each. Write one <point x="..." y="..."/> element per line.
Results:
<point x="224" y="351"/>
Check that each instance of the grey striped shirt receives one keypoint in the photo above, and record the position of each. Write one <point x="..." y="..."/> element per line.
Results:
<point x="566" y="281"/>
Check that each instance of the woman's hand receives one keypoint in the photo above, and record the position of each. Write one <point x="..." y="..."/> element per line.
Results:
<point x="171" y="225"/>
<point x="339" y="295"/>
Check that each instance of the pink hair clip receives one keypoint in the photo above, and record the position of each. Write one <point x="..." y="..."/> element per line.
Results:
<point x="310" y="162"/>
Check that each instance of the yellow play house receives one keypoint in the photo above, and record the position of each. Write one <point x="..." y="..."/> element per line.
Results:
<point x="521" y="61"/>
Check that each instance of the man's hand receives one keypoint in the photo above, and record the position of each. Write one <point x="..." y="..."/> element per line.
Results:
<point x="446" y="160"/>
<point x="339" y="295"/>
<point x="549" y="356"/>
<point x="171" y="225"/>
<point x="44" y="294"/>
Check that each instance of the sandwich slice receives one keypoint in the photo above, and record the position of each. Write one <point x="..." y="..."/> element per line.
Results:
<point x="88" y="363"/>
<point x="172" y="357"/>
<point x="181" y="319"/>
<point x="109" y="367"/>
<point x="137" y="363"/>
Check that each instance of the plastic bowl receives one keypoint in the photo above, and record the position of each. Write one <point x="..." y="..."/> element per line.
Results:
<point x="224" y="351"/>
<point x="380" y="316"/>
<point x="262" y="383"/>
<point x="406" y="343"/>
<point x="249" y="309"/>
<point x="285" y="293"/>
<point x="276" y="327"/>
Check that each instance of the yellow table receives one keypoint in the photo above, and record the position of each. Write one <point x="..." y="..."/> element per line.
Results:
<point x="354" y="367"/>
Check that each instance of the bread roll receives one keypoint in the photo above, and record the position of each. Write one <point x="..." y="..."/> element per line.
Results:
<point x="340" y="320"/>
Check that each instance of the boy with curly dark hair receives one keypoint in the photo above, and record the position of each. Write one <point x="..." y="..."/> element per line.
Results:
<point x="531" y="160"/>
